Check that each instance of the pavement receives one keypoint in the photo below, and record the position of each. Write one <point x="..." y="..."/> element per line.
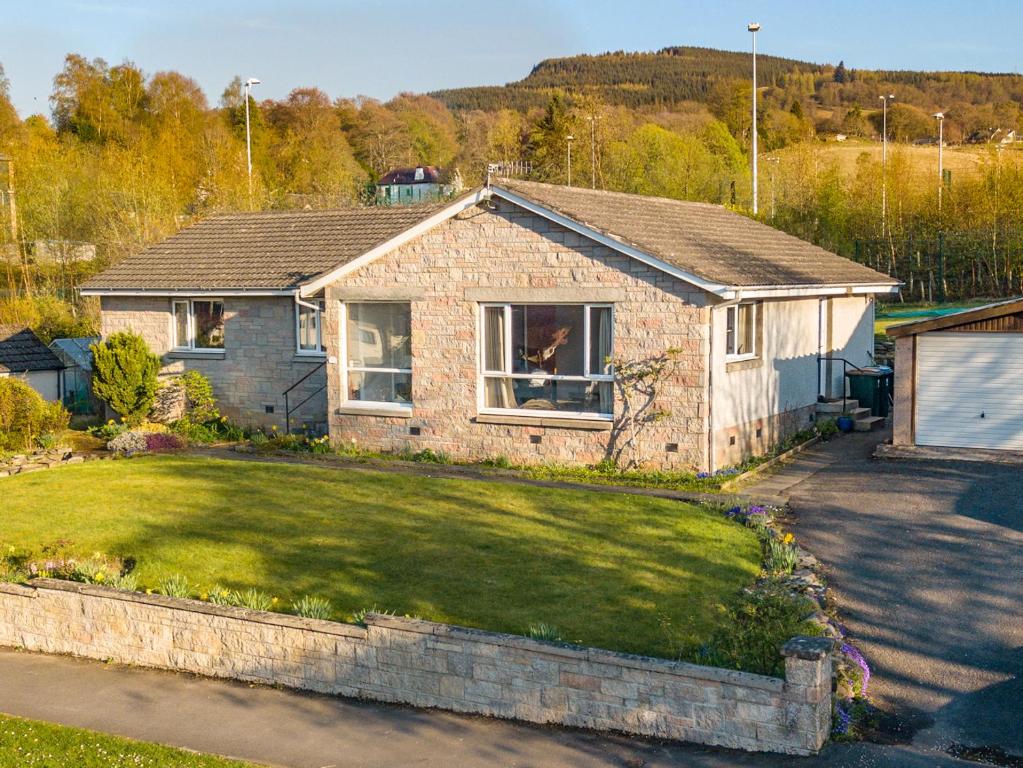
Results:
<point x="926" y="559"/>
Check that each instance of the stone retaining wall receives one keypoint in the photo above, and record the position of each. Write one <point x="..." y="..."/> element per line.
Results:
<point x="433" y="665"/>
<point x="32" y="462"/>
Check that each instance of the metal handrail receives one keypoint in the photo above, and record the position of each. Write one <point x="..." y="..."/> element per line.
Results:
<point x="288" y="410"/>
<point x="845" y="368"/>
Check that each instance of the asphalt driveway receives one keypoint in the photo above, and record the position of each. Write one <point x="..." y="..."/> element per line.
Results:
<point x="926" y="558"/>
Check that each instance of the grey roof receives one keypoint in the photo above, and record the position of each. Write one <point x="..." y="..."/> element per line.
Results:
<point x="75" y="351"/>
<point x="263" y="250"/>
<point x="21" y="350"/>
<point x="708" y="241"/>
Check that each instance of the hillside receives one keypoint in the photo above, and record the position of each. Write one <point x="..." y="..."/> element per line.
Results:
<point x="672" y="75"/>
<point x="669" y="76"/>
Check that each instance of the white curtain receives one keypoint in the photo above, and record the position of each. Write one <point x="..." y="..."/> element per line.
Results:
<point x="499" y="392"/>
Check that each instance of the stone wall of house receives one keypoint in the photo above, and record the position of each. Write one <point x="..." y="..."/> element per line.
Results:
<point x="433" y="665"/>
<point x="257" y="365"/>
<point x="506" y="254"/>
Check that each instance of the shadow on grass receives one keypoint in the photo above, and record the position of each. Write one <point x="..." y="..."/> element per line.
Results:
<point x="603" y="568"/>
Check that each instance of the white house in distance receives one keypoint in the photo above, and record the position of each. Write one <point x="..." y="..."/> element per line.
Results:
<point x="407" y="186"/>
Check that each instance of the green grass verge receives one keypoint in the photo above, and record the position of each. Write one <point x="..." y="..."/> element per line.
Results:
<point x="609" y="570"/>
<point x="33" y="744"/>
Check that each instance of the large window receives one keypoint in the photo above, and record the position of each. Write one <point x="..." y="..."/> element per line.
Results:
<point x="741" y="332"/>
<point x="309" y="327"/>
<point x="378" y="351"/>
<point x="548" y="358"/>
<point x="199" y="324"/>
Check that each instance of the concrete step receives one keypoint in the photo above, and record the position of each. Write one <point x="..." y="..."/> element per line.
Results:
<point x="869" y="424"/>
<point x="836" y="407"/>
<point x="859" y="413"/>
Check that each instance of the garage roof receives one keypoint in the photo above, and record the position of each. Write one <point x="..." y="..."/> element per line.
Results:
<point x="21" y="350"/>
<point x="984" y="314"/>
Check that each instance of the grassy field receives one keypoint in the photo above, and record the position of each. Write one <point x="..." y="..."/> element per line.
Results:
<point x="32" y="744"/>
<point x="605" y="569"/>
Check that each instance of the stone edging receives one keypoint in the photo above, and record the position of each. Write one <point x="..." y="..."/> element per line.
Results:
<point x="32" y="462"/>
<point x="428" y="664"/>
<point x="758" y="470"/>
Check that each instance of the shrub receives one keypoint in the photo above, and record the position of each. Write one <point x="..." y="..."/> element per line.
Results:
<point x="25" y="416"/>
<point x="827" y="428"/>
<point x="163" y="441"/>
<point x="312" y="608"/>
<point x="542" y="631"/>
<point x="175" y="586"/>
<point x="131" y="442"/>
<point x="124" y="374"/>
<point x="756" y="626"/>
<point x="199" y="399"/>
<point x="110" y="430"/>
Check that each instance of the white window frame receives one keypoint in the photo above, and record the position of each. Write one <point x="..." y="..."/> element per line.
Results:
<point x="754" y="309"/>
<point x="320" y="350"/>
<point x="190" y="345"/>
<point x="371" y="405"/>
<point x="588" y="376"/>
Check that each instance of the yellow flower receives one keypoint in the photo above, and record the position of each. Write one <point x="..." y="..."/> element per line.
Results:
<point x="204" y="596"/>
<point x="274" y="601"/>
<point x="787" y="538"/>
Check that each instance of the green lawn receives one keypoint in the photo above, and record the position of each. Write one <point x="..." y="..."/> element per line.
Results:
<point x="608" y="570"/>
<point x="32" y="744"/>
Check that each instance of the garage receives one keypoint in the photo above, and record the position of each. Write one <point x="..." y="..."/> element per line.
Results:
<point x="959" y="379"/>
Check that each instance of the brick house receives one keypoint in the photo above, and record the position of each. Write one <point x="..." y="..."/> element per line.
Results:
<point x="484" y="326"/>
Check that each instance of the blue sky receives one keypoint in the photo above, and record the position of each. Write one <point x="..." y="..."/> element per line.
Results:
<point x="381" y="47"/>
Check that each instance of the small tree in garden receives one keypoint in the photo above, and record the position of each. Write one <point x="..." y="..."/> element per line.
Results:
<point x="25" y="416"/>
<point x="124" y="373"/>
<point x="638" y="383"/>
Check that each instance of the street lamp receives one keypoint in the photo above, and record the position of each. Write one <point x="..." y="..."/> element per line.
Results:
<point x="570" y="139"/>
<point x="248" y="134"/>
<point x="753" y="29"/>
<point x="884" y="160"/>
<point x="940" y="117"/>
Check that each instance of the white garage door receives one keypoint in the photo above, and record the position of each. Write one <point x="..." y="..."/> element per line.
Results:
<point x="970" y="390"/>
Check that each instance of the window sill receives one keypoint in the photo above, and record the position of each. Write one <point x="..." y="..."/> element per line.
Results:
<point x="374" y="410"/>
<point x="310" y="357"/>
<point x="196" y="354"/>
<point x="743" y="363"/>
<point x="559" y="422"/>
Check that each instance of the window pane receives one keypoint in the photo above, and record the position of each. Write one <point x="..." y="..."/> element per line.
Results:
<point x="550" y="337"/>
<point x="541" y="394"/>
<point x="180" y="323"/>
<point x="379" y="336"/>
<point x="600" y="340"/>
<point x="745" y="329"/>
<point x="493" y="339"/>
<point x="730" y="331"/>
<point x="209" y="324"/>
<point x="376" y="387"/>
<point x="308" y="329"/>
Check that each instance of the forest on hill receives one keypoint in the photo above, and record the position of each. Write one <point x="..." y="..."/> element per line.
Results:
<point x="125" y="158"/>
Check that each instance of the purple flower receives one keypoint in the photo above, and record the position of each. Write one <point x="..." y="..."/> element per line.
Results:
<point x="856" y="656"/>
<point x="734" y="511"/>
<point x="843" y="718"/>
<point x="702" y="475"/>
<point x="756" y="509"/>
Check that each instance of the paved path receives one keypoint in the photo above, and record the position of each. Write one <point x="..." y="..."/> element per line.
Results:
<point x="926" y="558"/>
<point x="299" y="730"/>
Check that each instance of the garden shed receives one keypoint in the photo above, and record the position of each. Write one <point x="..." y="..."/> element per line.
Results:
<point x="24" y="355"/>
<point x="958" y="379"/>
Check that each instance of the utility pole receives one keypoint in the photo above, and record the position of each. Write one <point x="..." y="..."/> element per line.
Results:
<point x="754" y="28"/>
<point x="570" y="139"/>
<point x="884" y="162"/>
<point x="248" y="133"/>
<point x="593" y="150"/>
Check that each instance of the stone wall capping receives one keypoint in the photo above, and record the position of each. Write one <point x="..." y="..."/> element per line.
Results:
<point x="321" y="626"/>
<point x="808" y="648"/>
<point x="20" y="590"/>
<point x="386" y="413"/>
